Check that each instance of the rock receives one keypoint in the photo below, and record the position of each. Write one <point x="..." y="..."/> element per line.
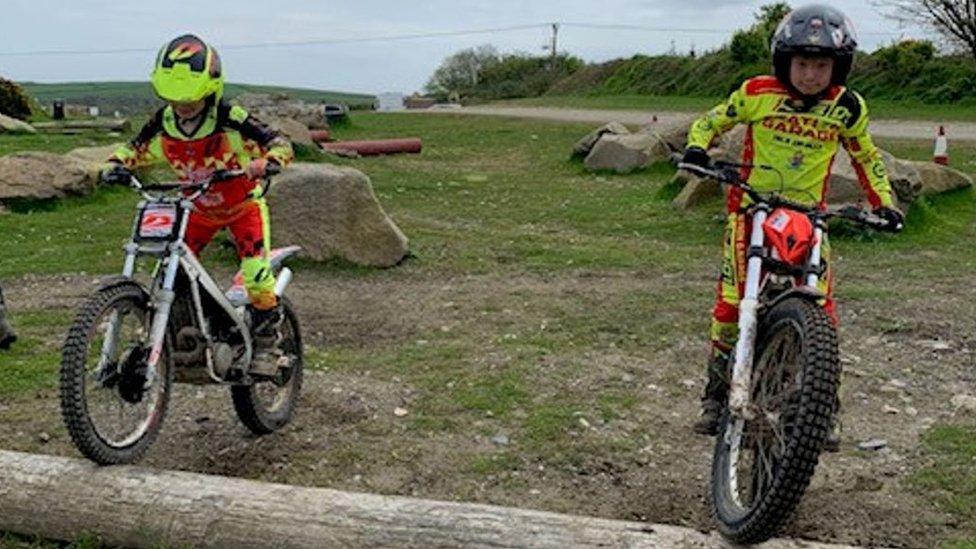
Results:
<point x="293" y="130"/>
<point x="694" y="190"/>
<point x="400" y="412"/>
<point x="332" y="212"/>
<point x="500" y="440"/>
<point x="936" y="179"/>
<point x="873" y="444"/>
<point x="935" y="345"/>
<point x="898" y="384"/>
<point x="912" y="412"/>
<point x="94" y="157"/>
<point x="44" y="438"/>
<point x="583" y="423"/>
<point x="266" y="107"/>
<point x="964" y="403"/>
<point x="12" y="125"/>
<point x="675" y="133"/>
<point x="625" y="153"/>
<point x="890" y="410"/>
<point x="585" y="145"/>
<point x="43" y="175"/>
<point x="689" y="383"/>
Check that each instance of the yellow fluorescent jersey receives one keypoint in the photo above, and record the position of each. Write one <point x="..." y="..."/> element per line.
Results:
<point x="800" y="145"/>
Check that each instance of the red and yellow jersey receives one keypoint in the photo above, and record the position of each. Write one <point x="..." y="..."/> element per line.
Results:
<point x="800" y="144"/>
<point x="227" y="139"/>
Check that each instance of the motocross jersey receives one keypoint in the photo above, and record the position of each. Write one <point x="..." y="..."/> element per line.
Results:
<point x="227" y="139"/>
<point x="800" y="144"/>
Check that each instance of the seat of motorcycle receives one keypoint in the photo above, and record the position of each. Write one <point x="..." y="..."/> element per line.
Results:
<point x="236" y="293"/>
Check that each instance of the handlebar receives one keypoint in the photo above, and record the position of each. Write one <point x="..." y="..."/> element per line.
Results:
<point x="728" y="173"/>
<point x="200" y="187"/>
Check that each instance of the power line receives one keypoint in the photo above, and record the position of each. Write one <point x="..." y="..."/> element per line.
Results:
<point x="258" y="45"/>
<point x="393" y="38"/>
<point x="687" y="30"/>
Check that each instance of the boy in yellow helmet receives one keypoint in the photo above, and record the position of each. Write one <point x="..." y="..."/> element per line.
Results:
<point x="197" y="133"/>
<point x="795" y="121"/>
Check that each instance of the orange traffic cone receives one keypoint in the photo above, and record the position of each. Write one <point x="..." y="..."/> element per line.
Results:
<point x="941" y="154"/>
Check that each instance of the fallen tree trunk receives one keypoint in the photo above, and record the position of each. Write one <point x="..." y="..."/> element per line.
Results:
<point x="61" y="498"/>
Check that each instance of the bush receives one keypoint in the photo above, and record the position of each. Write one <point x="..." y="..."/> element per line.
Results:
<point x="13" y="101"/>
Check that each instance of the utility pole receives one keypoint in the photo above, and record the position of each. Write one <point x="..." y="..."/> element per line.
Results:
<point x="553" y="46"/>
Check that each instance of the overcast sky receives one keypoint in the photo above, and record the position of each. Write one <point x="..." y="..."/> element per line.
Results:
<point x="402" y="65"/>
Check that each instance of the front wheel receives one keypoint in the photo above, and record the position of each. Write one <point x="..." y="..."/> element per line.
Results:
<point x="112" y="404"/>
<point x="762" y="467"/>
<point x="267" y="405"/>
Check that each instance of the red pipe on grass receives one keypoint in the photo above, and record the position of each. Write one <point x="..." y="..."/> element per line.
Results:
<point x="374" y="147"/>
<point x="320" y="136"/>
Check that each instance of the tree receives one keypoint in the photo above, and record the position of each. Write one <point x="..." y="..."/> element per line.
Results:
<point x="752" y="45"/>
<point x="459" y="72"/>
<point x="954" y="20"/>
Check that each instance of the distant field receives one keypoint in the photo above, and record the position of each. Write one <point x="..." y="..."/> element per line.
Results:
<point x="136" y="97"/>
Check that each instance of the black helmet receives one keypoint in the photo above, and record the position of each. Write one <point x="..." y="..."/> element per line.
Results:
<point x="814" y="29"/>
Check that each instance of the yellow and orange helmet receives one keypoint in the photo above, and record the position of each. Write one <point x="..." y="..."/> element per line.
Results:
<point x="186" y="70"/>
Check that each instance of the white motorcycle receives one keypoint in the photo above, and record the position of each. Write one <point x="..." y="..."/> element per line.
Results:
<point x="129" y="342"/>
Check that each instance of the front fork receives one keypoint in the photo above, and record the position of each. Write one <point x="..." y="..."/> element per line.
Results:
<point x="163" y="302"/>
<point x="739" y="388"/>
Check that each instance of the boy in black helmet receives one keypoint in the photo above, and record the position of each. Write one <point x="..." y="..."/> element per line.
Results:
<point x="795" y="121"/>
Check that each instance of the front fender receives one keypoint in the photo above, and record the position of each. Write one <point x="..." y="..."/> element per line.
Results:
<point x="802" y="292"/>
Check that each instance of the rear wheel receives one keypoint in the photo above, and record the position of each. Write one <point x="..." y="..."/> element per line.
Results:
<point x="761" y="467"/>
<point x="112" y="405"/>
<point x="268" y="405"/>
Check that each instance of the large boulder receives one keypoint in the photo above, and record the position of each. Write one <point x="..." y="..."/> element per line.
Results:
<point x="585" y="145"/>
<point x="93" y="157"/>
<point x="267" y="106"/>
<point x="330" y="212"/>
<point x="42" y="175"/>
<point x="694" y="190"/>
<point x="937" y="179"/>
<point x="625" y="153"/>
<point x="12" y="125"/>
<point x="293" y="130"/>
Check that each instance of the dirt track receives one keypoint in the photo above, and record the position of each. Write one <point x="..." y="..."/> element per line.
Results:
<point x="919" y="129"/>
<point x="347" y="437"/>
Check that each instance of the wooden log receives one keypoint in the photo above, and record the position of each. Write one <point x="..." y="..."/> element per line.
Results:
<point x="99" y="124"/>
<point x="62" y="498"/>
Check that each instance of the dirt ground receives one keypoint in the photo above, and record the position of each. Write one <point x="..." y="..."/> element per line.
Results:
<point x="642" y="462"/>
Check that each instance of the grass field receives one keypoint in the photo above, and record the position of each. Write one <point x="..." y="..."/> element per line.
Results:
<point x="882" y="109"/>
<point x="542" y="303"/>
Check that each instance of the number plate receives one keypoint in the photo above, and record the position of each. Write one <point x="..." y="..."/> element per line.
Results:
<point x="158" y="221"/>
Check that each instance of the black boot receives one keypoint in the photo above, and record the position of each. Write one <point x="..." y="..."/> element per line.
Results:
<point x="265" y="334"/>
<point x="715" y="396"/>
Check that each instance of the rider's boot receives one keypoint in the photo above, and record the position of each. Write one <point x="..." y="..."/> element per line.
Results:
<point x="715" y="395"/>
<point x="266" y="335"/>
<point x="7" y="335"/>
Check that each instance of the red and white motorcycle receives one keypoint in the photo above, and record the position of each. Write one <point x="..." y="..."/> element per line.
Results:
<point x="785" y="366"/>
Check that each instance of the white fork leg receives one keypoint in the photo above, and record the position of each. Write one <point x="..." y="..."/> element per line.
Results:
<point x="748" y="322"/>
